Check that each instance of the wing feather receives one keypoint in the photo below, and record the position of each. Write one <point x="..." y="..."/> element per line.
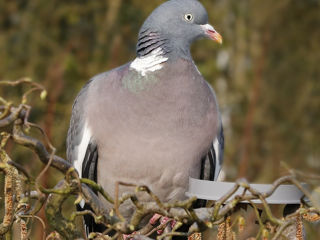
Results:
<point x="82" y="151"/>
<point x="211" y="164"/>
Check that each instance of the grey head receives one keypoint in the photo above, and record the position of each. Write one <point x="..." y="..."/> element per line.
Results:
<point x="173" y="26"/>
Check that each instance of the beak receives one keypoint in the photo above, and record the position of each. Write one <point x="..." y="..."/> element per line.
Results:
<point x="212" y="33"/>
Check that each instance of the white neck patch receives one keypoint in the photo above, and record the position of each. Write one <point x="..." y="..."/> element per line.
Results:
<point x="149" y="63"/>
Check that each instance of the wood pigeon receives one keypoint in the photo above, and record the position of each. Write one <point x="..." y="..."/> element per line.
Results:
<point x="155" y="120"/>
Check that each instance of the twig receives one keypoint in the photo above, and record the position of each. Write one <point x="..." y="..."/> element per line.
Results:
<point x="9" y="187"/>
<point x="20" y="138"/>
<point x="37" y="218"/>
<point x="98" y="188"/>
<point x="282" y="228"/>
<point x="23" y="230"/>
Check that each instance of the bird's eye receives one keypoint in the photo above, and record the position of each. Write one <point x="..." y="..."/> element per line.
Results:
<point x="188" y="17"/>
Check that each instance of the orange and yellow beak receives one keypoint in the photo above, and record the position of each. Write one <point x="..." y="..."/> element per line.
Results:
<point x="212" y="33"/>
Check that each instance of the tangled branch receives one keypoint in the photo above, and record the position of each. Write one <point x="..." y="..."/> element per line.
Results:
<point x="25" y="196"/>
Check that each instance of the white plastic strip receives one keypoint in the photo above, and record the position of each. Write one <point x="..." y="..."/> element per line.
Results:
<point x="211" y="190"/>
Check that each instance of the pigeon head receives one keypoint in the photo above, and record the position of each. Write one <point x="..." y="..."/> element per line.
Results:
<point x="173" y="26"/>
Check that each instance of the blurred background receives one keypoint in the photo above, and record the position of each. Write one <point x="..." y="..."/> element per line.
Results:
<point x="266" y="74"/>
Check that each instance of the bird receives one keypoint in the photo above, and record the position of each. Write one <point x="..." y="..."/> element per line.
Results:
<point x="155" y="120"/>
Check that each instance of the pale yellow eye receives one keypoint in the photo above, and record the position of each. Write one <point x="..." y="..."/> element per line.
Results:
<point x="188" y="17"/>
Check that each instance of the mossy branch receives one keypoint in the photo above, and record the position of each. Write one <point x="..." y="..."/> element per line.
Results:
<point x="25" y="196"/>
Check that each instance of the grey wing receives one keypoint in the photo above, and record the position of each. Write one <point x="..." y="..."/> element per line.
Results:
<point x="82" y="151"/>
<point x="212" y="163"/>
<point x="217" y="151"/>
<point x="81" y="148"/>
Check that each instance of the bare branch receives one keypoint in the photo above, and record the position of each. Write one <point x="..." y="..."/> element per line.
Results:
<point x="22" y="202"/>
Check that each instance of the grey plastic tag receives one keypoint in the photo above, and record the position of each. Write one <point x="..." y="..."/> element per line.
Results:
<point x="211" y="190"/>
